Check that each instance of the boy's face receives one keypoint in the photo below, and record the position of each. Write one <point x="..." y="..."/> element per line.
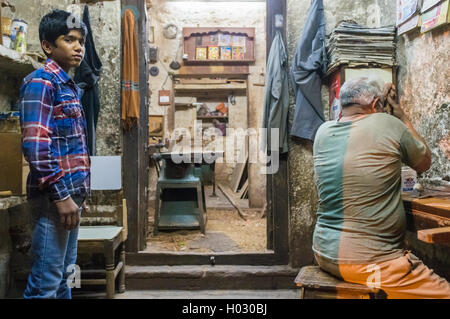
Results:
<point x="69" y="50"/>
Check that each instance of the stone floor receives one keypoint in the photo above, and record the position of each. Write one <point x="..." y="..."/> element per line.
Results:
<point x="226" y="231"/>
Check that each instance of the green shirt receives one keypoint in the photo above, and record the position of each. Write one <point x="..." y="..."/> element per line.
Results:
<point x="360" y="218"/>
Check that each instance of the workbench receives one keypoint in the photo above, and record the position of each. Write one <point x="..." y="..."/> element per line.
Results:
<point x="429" y="217"/>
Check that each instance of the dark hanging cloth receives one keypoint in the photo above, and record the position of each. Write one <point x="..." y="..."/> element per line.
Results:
<point x="276" y="101"/>
<point x="87" y="77"/>
<point x="308" y="67"/>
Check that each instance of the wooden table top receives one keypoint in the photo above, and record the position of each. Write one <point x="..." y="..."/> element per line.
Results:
<point x="434" y="205"/>
<point x="429" y="217"/>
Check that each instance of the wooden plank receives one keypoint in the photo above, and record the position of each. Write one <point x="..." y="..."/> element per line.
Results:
<point x="232" y="200"/>
<point x="202" y="81"/>
<point x="186" y="88"/>
<point x="417" y="220"/>
<point x="436" y="206"/>
<point x="314" y="277"/>
<point x="243" y="189"/>
<point x="439" y="235"/>
<point x="182" y="258"/>
<point x="237" y="174"/>
<point x="216" y="70"/>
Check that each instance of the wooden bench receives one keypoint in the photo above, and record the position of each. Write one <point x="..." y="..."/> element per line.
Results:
<point x="318" y="284"/>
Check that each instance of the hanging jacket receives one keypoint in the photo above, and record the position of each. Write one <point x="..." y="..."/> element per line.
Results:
<point x="308" y="67"/>
<point x="276" y="102"/>
<point x="86" y="77"/>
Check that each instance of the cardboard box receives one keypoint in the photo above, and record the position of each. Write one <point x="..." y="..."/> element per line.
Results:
<point x="13" y="167"/>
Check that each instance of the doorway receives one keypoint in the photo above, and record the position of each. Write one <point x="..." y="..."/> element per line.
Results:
<point x="236" y="232"/>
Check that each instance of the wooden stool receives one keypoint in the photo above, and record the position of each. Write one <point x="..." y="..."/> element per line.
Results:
<point x="318" y="284"/>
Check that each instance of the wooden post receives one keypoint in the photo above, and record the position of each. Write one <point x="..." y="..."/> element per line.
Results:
<point x="1" y="27"/>
<point x="277" y="184"/>
<point x="135" y="152"/>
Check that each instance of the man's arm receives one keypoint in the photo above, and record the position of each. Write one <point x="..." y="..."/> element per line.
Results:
<point x="37" y="129"/>
<point x="398" y="112"/>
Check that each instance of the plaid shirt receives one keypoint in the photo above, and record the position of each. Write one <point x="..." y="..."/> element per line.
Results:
<point x="54" y="134"/>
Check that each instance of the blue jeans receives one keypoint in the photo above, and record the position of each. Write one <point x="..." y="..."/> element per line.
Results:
<point x="53" y="249"/>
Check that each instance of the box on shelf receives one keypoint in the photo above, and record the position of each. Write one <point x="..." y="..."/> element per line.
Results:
<point x="13" y="167"/>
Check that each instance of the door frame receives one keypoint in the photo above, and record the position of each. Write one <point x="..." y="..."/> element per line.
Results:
<point x="135" y="141"/>
<point x="277" y="184"/>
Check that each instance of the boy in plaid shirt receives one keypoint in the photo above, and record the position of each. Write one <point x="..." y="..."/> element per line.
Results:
<point x="54" y="144"/>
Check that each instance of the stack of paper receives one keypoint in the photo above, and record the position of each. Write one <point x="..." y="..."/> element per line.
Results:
<point x="355" y="45"/>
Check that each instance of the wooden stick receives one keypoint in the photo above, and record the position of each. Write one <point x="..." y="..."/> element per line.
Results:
<point x="222" y="188"/>
<point x="264" y="211"/>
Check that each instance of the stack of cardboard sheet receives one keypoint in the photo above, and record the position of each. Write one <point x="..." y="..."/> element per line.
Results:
<point x="355" y="45"/>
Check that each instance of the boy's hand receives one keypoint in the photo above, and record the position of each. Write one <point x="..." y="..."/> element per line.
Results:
<point x="68" y="213"/>
<point x="86" y="208"/>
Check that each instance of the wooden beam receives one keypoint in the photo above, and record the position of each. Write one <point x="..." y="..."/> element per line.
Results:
<point x="183" y="258"/>
<point x="135" y="152"/>
<point x="439" y="235"/>
<point x="213" y="70"/>
<point x="1" y="31"/>
<point x="274" y="9"/>
<point x="277" y="184"/>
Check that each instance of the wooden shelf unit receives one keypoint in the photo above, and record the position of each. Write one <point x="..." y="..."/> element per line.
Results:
<point x="192" y="35"/>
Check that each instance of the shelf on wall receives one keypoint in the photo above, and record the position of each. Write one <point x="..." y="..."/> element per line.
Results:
<point x="217" y="62"/>
<point x="215" y="88"/>
<point x="15" y="64"/>
<point x="212" y="117"/>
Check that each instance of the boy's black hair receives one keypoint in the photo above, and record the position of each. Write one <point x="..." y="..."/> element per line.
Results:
<point x="57" y="23"/>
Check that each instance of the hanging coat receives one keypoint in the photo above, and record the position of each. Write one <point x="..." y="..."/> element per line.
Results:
<point x="276" y="101"/>
<point x="87" y="77"/>
<point x="130" y="71"/>
<point x="308" y="67"/>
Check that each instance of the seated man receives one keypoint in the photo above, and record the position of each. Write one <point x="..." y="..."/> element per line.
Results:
<point x="360" y="219"/>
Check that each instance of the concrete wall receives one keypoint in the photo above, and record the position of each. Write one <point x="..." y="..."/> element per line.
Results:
<point x="425" y="94"/>
<point x="105" y="22"/>
<point x="223" y="14"/>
